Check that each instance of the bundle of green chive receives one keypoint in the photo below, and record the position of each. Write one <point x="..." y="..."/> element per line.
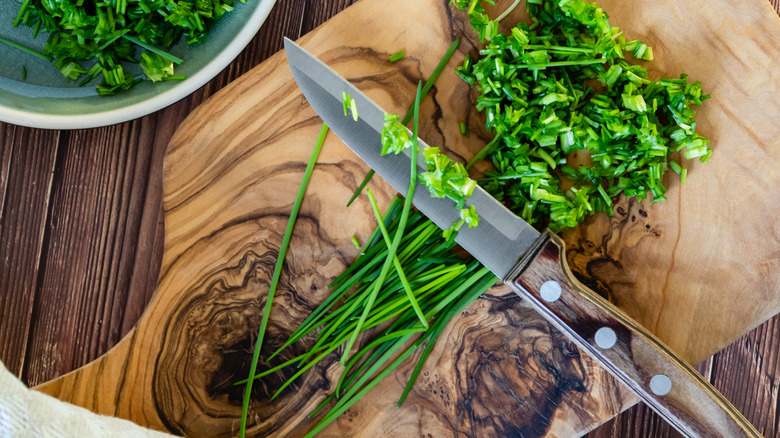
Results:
<point x="441" y="284"/>
<point x="108" y="33"/>
<point x="537" y="93"/>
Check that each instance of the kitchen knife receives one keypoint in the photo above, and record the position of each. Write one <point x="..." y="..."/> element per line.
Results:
<point x="532" y="264"/>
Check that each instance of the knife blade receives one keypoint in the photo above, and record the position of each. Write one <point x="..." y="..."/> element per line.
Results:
<point x="533" y="265"/>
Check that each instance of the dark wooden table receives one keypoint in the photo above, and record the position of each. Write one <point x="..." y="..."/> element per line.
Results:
<point x="81" y="235"/>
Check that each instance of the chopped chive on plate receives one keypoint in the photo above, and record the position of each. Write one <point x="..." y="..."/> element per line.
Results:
<point x="34" y="93"/>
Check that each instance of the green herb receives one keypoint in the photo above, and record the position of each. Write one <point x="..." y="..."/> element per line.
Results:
<point x="345" y="102"/>
<point x="397" y="56"/>
<point x="458" y="292"/>
<point x="468" y="216"/>
<point x="442" y="284"/>
<point x="535" y="85"/>
<point x="428" y="84"/>
<point x="26" y="49"/>
<point x="395" y="136"/>
<point x="24" y="73"/>
<point x="156" y="67"/>
<point x="355" y="242"/>
<point x="398" y="235"/>
<point x="396" y="262"/>
<point x="464" y="129"/>
<point x="353" y="108"/>
<point x="349" y="105"/>
<point x="429" y="283"/>
<point x="105" y="36"/>
<point x="151" y="48"/>
<point x="444" y="177"/>
<point x="277" y="274"/>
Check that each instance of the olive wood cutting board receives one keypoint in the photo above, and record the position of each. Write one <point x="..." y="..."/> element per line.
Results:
<point x="698" y="270"/>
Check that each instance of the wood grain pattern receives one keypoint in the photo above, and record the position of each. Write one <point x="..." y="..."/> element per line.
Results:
<point x="291" y="18"/>
<point x="674" y="256"/>
<point x="759" y="365"/>
<point x="203" y="187"/>
<point x="106" y="276"/>
<point x="27" y="168"/>
<point x="111" y="191"/>
<point x="194" y="339"/>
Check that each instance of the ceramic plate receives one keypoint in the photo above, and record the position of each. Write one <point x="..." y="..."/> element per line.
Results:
<point x="45" y="99"/>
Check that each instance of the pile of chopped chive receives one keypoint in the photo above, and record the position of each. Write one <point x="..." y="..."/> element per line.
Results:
<point x="560" y="85"/>
<point x="87" y="40"/>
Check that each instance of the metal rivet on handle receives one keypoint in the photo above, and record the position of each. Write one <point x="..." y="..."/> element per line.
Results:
<point x="660" y="384"/>
<point x="550" y="291"/>
<point x="606" y="338"/>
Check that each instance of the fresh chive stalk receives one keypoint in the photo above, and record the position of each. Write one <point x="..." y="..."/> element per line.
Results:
<point x="25" y="49"/>
<point x="277" y="274"/>
<point x="464" y="129"/>
<point x="398" y="234"/>
<point x="153" y="49"/>
<point x="355" y="242"/>
<point x="396" y="263"/>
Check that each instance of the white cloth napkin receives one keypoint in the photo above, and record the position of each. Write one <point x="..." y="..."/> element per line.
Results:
<point x="28" y="413"/>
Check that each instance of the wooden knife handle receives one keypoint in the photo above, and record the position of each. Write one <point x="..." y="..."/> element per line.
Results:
<point x="660" y="378"/>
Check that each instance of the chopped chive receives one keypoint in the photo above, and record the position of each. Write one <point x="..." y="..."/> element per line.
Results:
<point x="535" y="89"/>
<point x="153" y="49"/>
<point x="464" y="129"/>
<point x="277" y="273"/>
<point x="26" y="49"/>
<point x="24" y="73"/>
<point x="345" y="101"/>
<point x="397" y="56"/>
<point x="428" y="84"/>
<point x="97" y="34"/>
<point x="355" y="242"/>
<point x="353" y="108"/>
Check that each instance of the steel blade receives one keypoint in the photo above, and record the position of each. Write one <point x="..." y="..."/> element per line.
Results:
<point x="500" y="238"/>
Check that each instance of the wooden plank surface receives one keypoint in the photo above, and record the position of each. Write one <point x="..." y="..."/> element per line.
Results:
<point x="29" y="158"/>
<point x="109" y="280"/>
